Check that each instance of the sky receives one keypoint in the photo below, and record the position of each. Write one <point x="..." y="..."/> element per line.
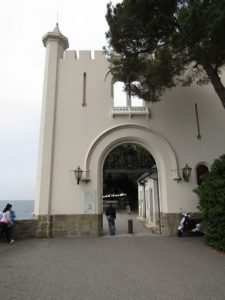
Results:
<point x="22" y="59"/>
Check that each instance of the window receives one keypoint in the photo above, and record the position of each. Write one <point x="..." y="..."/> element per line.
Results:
<point x="136" y="101"/>
<point x="200" y="171"/>
<point x="124" y="104"/>
<point x="119" y="95"/>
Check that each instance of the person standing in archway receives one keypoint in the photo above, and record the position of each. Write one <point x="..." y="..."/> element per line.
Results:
<point x="111" y="216"/>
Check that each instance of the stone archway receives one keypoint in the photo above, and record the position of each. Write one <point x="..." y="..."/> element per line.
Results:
<point x="155" y="144"/>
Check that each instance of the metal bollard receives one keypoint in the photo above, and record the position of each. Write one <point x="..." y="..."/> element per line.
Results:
<point x="130" y="226"/>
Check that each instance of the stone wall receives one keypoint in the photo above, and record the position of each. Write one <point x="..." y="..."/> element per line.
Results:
<point x="69" y="225"/>
<point x="23" y="229"/>
<point x="44" y="225"/>
<point x="170" y="222"/>
<point x="76" y="225"/>
<point x="79" y="226"/>
<point x="58" y="226"/>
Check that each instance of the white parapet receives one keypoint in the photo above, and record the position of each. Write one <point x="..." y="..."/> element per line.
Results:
<point x="130" y="111"/>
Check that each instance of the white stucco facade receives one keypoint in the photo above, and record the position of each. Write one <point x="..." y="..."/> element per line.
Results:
<point x="149" y="201"/>
<point x="80" y="126"/>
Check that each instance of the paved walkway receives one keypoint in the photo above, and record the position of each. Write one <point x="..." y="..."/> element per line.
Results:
<point x="125" y="267"/>
<point x="122" y="225"/>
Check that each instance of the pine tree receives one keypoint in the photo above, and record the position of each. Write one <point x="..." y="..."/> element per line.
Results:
<point x="163" y="43"/>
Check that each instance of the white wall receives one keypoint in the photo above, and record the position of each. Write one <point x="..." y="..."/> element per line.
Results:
<point x="84" y="135"/>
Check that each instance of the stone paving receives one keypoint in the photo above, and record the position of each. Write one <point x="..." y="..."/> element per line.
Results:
<point x="124" y="266"/>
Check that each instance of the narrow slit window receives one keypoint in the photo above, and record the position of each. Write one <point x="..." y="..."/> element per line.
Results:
<point x="84" y="103"/>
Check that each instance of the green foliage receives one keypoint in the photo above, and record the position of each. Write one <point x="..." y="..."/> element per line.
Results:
<point x="161" y="43"/>
<point x="212" y="204"/>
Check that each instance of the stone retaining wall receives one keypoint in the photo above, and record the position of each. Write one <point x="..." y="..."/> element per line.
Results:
<point x="69" y="225"/>
<point x="23" y="229"/>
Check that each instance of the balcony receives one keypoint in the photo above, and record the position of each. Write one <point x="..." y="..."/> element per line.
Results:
<point x="130" y="111"/>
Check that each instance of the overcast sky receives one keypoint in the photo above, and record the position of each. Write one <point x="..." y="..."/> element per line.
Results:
<point x="22" y="58"/>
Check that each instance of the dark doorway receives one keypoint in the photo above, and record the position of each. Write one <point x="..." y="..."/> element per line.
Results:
<point x="122" y="167"/>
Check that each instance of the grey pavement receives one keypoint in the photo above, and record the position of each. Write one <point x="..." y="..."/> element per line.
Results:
<point x="120" y="267"/>
<point x="122" y="225"/>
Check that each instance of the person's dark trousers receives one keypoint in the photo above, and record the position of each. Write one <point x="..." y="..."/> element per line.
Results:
<point x="112" y="228"/>
<point x="6" y="230"/>
<point x="1" y="230"/>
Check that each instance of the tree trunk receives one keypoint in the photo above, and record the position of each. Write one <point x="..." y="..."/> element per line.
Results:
<point x="216" y="82"/>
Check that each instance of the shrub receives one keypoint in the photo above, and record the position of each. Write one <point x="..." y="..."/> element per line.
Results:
<point x="212" y="204"/>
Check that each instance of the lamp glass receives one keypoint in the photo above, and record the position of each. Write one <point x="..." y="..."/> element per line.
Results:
<point x="186" y="172"/>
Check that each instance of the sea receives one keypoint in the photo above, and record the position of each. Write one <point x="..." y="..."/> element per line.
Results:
<point x="22" y="208"/>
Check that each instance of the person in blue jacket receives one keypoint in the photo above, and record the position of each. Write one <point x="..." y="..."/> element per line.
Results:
<point x="6" y="223"/>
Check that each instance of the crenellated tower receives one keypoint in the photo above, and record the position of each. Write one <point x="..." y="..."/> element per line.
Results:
<point x="56" y="43"/>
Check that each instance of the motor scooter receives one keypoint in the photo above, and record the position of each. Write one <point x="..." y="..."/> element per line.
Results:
<point x="189" y="226"/>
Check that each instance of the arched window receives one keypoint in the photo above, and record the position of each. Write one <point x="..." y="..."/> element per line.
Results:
<point x="136" y="101"/>
<point x="119" y="95"/>
<point x="200" y="171"/>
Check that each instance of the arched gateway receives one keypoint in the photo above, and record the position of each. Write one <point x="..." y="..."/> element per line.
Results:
<point x="129" y="133"/>
<point x="80" y="126"/>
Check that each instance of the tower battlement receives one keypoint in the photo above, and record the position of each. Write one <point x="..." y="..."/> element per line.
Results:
<point x="84" y="55"/>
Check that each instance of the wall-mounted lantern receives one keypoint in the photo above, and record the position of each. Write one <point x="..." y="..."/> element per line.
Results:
<point x="186" y="171"/>
<point x="78" y="174"/>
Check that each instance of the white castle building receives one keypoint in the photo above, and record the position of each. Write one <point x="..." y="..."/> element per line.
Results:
<point x="81" y="124"/>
